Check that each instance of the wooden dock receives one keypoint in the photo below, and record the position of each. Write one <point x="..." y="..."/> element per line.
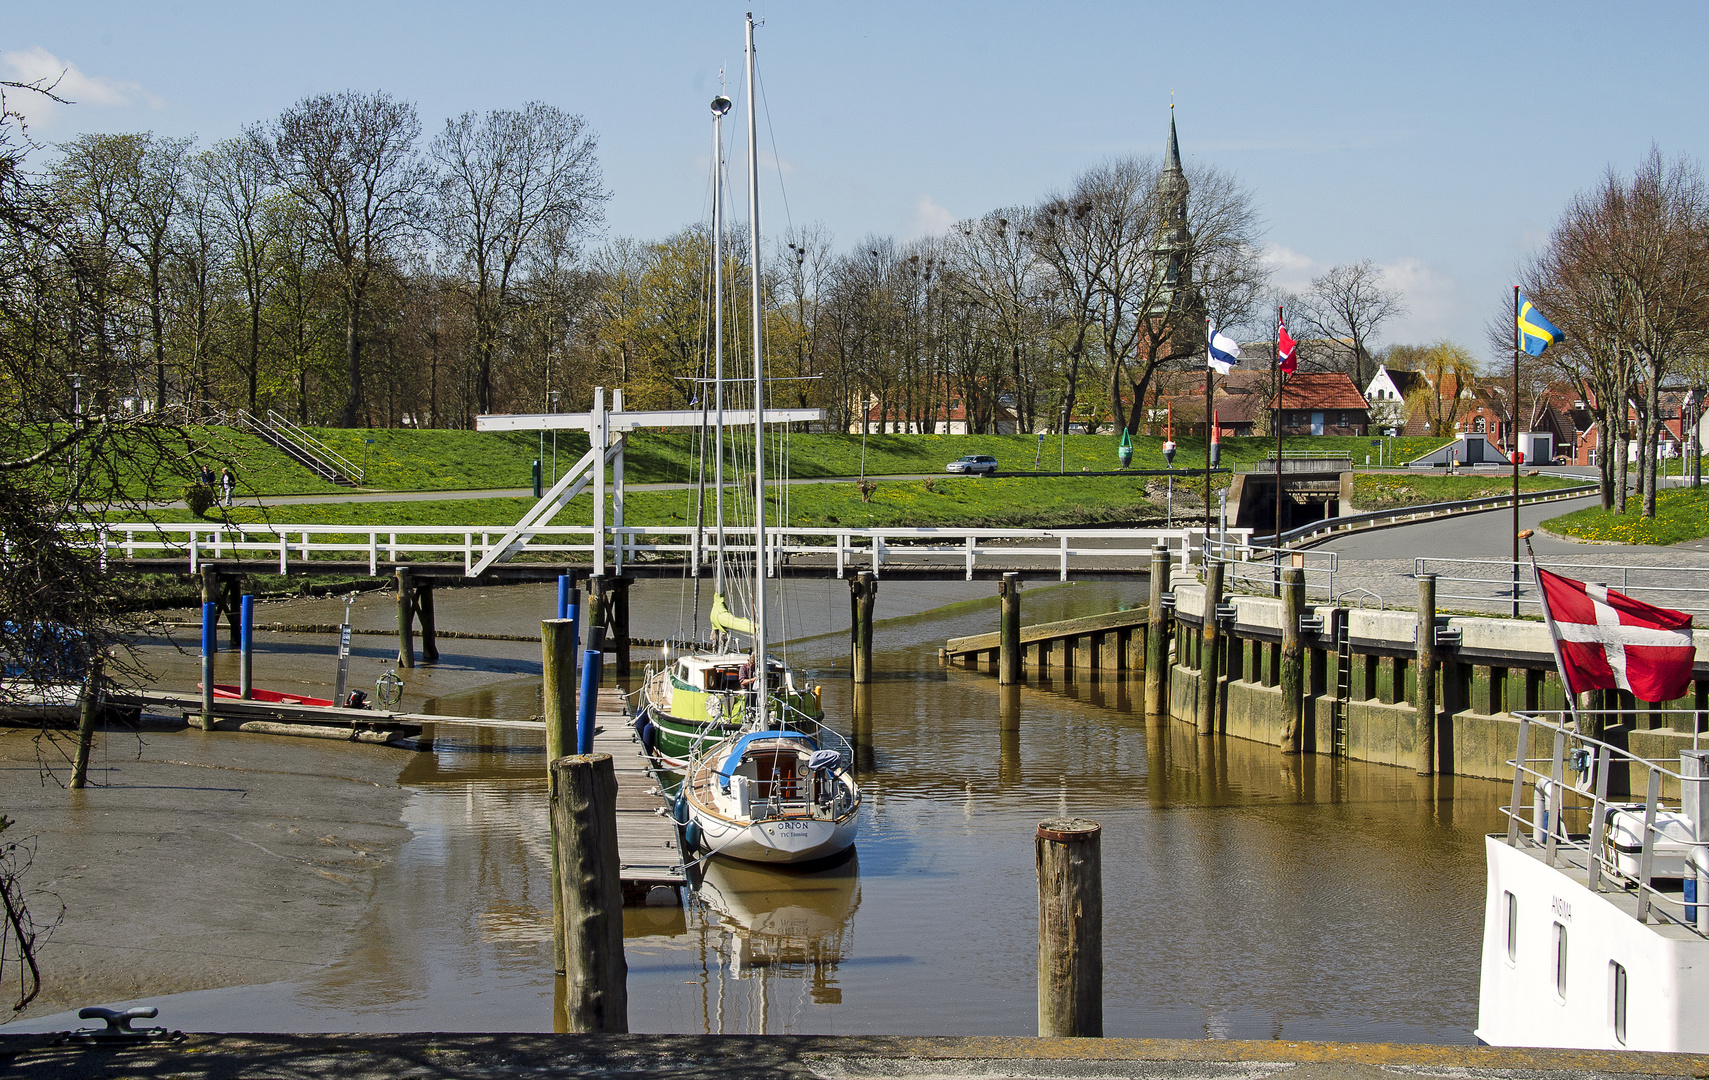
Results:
<point x="647" y="841"/>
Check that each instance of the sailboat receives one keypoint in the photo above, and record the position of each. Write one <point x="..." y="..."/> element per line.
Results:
<point x="700" y="698"/>
<point x="769" y="782"/>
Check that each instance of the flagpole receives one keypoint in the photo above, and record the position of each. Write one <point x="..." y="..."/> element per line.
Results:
<point x="1513" y="455"/>
<point x="1281" y="381"/>
<point x="1549" y="620"/>
<point x="1210" y="376"/>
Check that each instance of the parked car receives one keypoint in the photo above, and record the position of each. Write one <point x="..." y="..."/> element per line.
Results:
<point x="973" y="464"/>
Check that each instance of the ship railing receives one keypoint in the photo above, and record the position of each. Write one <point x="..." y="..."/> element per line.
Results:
<point x="1571" y="786"/>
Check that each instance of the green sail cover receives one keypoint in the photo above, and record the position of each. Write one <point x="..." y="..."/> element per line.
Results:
<point x="722" y="619"/>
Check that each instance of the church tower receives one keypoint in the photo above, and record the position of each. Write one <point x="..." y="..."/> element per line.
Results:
<point x="1173" y="244"/>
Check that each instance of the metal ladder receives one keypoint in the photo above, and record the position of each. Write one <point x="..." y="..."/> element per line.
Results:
<point x="1343" y="684"/>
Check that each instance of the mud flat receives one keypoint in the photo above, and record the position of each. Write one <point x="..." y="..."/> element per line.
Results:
<point x="198" y="860"/>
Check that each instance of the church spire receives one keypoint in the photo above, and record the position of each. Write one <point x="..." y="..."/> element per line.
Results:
<point x="1174" y="162"/>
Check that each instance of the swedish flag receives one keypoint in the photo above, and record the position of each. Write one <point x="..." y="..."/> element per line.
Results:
<point x="1535" y="332"/>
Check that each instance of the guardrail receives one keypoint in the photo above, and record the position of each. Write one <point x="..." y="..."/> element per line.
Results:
<point x="1261" y="565"/>
<point x="286" y="545"/>
<point x="1574" y="789"/>
<point x="1403" y="514"/>
<point x="1498" y="579"/>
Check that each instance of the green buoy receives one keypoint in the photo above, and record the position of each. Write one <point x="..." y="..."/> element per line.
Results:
<point x="1125" y="450"/>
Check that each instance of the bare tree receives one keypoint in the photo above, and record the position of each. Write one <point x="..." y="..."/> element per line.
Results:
<point x="1347" y="305"/>
<point x="349" y="159"/>
<point x="240" y="180"/>
<point x="507" y="180"/>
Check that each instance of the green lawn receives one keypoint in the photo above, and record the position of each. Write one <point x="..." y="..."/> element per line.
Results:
<point x="949" y="501"/>
<point x="1381" y="491"/>
<point x="1681" y="515"/>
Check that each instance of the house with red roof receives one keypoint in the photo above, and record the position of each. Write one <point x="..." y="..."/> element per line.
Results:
<point x="1321" y="403"/>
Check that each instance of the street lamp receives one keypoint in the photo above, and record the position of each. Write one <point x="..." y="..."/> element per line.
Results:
<point x="552" y="401"/>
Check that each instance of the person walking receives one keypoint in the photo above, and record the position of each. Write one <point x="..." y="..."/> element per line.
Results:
<point x="228" y="484"/>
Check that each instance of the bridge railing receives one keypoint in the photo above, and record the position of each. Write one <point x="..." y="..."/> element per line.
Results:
<point x="285" y="545"/>
<point x="1258" y="568"/>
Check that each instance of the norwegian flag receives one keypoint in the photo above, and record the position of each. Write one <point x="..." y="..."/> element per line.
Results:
<point x="1605" y="640"/>
<point x="1285" y="346"/>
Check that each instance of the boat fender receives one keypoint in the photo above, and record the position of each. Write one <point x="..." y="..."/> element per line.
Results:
<point x="819" y="696"/>
<point x="691" y="836"/>
<point x="649" y="735"/>
<point x="642" y="719"/>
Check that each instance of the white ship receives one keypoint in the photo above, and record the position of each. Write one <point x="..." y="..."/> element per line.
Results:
<point x="1593" y="938"/>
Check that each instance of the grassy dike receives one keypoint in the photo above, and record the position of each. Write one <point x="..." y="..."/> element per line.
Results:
<point x="400" y="459"/>
<point x="1681" y="515"/>
<point x="1039" y="502"/>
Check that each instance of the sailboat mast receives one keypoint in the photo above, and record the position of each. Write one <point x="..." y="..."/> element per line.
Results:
<point x="720" y="106"/>
<point x="759" y="386"/>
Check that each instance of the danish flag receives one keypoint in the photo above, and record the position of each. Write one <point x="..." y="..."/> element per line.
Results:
<point x="1605" y="640"/>
<point x="1284" y="346"/>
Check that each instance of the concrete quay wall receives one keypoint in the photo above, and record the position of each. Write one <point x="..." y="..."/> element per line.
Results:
<point x="1498" y="666"/>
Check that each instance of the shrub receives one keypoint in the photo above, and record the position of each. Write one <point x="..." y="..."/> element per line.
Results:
<point x="199" y="498"/>
<point x="867" y="487"/>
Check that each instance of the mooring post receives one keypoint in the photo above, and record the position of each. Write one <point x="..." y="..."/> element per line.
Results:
<point x="1425" y="721"/>
<point x="618" y="619"/>
<point x="1211" y="643"/>
<point x="595" y="615"/>
<point x="863" y="595"/>
<point x="1157" y="636"/>
<point x="1292" y="678"/>
<point x="565" y="584"/>
<point x="596" y="975"/>
<point x="1070" y="929"/>
<point x="406" y="619"/>
<point x="1009" y="635"/>
<point x="593" y="664"/>
<point x="88" y="707"/>
<point x="246" y="650"/>
<point x="558" y="666"/>
<point x="429" y="628"/>
<point x="210" y="638"/>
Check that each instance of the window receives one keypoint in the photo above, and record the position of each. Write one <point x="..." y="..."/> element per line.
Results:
<point x="1560" y="960"/>
<point x="1480" y="426"/>
<point x="1512" y="924"/>
<point x="1617" y="1002"/>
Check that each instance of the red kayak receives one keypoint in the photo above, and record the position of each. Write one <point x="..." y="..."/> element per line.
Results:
<point x="274" y="697"/>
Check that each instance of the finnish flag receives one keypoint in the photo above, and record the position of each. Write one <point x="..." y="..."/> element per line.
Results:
<point x="1223" y="352"/>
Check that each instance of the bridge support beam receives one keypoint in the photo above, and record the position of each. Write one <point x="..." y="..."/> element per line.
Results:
<point x="424" y="617"/>
<point x="608" y="608"/>
<point x="1157" y="636"/>
<point x="1009" y="634"/>
<point x="863" y="595"/>
<point x="406" y="618"/>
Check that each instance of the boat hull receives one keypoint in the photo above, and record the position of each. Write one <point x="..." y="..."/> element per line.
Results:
<point x="786" y="840"/>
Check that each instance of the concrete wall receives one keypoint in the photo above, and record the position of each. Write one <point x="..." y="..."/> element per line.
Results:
<point x="1499" y="665"/>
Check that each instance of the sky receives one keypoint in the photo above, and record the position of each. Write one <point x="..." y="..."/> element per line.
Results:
<point x="1440" y="140"/>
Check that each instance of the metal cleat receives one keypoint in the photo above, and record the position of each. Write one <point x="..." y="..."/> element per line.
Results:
<point x="118" y="1029"/>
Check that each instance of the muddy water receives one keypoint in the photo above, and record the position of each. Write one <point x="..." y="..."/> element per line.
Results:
<point x="1245" y="895"/>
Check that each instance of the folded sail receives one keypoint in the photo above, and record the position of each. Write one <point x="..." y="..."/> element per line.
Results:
<point x="723" y="619"/>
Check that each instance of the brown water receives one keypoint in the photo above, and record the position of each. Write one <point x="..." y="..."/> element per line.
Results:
<point x="1246" y="895"/>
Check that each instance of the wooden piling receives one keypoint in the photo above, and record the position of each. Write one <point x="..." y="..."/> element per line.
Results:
<point x="1157" y="636"/>
<point x="230" y="602"/>
<point x="1070" y="929"/>
<point x="1210" y="645"/>
<point x="558" y="664"/>
<point x="1009" y="633"/>
<point x="424" y="616"/>
<point x="596" y="607"/>
<point x="584" y="810"/>
<point x="406" y="618"/>
<point x="618" y="620"/>
<point x="88" y="708"/>
<point x="863" y="595"/>
<point x="1425" y="717"/>
<point x="1292" y="675"/>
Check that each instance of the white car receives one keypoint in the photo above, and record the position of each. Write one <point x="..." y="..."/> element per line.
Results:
<point x="973" y="464"/>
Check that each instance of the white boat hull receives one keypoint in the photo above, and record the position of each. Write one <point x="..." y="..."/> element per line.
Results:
<point x="786" y="840"/>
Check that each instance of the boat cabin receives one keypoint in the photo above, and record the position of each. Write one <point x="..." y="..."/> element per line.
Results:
<point x="723" y="673"/>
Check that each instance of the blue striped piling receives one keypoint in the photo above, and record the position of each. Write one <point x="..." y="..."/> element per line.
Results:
<point x="246" y="643"/>
<point x="593" y="661"/>
<point x="210" y="620"/>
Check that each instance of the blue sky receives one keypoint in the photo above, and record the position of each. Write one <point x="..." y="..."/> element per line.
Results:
<point x="1440" y="140"/>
